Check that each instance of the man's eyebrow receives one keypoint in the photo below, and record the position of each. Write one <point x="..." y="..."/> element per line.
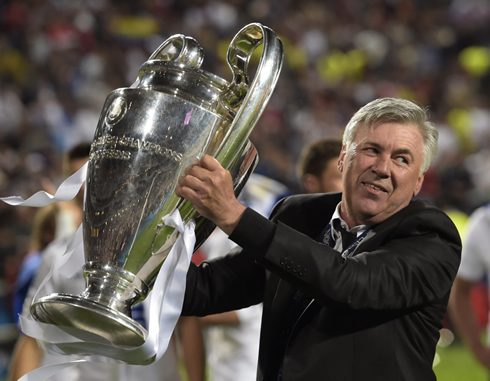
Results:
<point x="371" y="144"/>
<point x="400" y="151"/>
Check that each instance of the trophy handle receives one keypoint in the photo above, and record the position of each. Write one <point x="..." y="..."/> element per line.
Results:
<point x="256" y="96"/>
<point x="180" y="48"/>
<point x="240" y="173"/>
<point x="177" y="48"/>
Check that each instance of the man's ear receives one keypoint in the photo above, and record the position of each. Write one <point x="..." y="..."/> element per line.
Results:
<point x="418" y="184"/>
<point x="341" y="161"/>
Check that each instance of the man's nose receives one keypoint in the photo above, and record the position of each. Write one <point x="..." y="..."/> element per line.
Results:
<point x="382" y="166"/>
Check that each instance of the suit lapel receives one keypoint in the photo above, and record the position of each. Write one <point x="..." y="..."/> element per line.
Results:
<point x="381" y="233"/>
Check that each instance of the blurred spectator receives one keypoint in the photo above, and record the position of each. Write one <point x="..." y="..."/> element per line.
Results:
<point x="317" y="168"/>
<point x="57" y="220"/>
<point x="43" y="233"/>
<point x="470" y="318"/>
<point x="232" y="338"/>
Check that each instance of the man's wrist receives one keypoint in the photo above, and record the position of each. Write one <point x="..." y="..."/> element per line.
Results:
<point x="254" y="232"/>
<point x="230" y="221"/>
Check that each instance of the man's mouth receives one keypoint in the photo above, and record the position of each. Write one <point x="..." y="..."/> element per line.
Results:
<point x="375" y="187"/>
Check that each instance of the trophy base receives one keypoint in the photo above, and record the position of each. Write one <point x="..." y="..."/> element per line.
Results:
<point x="70" y="311"/>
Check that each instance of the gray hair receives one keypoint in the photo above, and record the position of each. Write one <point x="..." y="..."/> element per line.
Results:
<point x="393" y="110"/>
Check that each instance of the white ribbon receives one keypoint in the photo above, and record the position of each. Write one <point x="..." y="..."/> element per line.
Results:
<point x="165" y="307"/>
<point x="67" y="191"/>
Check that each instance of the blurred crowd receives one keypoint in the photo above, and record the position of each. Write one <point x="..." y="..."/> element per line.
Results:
<point x="59" y="59"/>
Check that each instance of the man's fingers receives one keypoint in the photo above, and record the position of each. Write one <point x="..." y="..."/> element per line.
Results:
<point x="192" y="182"/>
<point x="210" y="163"/>
<point x="209" y="187"/>
<point x="198" y="171"/>
<point x="207" y="170"/>
<point x="186" y="193"/>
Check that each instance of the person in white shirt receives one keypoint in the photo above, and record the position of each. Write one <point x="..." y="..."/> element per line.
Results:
<point x="165" y="369"/>
<point x="475" y="266"/>
<point x="232" y="338"/>
<point x="29" y="356"/>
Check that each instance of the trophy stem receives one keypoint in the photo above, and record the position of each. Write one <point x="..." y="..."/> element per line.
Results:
<point x="114" y="287"/>
<point x="103" y="309"/>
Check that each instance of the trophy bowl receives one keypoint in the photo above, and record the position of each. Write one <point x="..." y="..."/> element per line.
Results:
<point x="146" y="136"/>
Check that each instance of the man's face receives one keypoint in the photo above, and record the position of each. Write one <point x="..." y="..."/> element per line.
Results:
<point x="381" y="172"/>
<point x="331" y="178"/>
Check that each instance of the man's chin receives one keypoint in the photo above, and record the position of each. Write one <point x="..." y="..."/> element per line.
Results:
<point x="370" y="215"/>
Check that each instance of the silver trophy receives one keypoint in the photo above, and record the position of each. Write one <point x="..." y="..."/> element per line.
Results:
<point x="146" y="136"/>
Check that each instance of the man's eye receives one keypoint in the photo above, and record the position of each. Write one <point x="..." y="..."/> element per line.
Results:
<point x="402" y="159"/>
<point x="371" y="150"/>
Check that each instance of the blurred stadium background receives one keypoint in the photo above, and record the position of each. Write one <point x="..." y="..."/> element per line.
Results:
<point x="60" y="58"/>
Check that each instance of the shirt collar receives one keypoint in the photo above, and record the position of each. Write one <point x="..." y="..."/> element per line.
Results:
<point x="357" y="230"/>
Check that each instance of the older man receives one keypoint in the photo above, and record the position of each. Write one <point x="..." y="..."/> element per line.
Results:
<point x="355" y="284"/>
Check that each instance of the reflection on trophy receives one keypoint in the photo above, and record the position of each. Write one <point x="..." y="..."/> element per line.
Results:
<point x="146" y="136"/>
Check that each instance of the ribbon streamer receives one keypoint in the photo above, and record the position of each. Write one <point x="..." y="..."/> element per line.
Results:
<point x="66" y="191"/>
<point x="165" y="306"/>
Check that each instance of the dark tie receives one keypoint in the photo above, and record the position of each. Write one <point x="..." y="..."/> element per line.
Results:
<point x="347" y="237"/>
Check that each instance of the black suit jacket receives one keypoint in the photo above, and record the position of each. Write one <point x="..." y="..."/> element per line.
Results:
<point x="375" y="315"/>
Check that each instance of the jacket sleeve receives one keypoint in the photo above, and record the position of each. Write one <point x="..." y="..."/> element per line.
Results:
<point x="414" y="265"/>
<point x="233" y="281"/>
<point x="227" y="283"/>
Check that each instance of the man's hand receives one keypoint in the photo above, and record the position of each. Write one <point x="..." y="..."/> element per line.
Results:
<point x="209" y="187"/>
